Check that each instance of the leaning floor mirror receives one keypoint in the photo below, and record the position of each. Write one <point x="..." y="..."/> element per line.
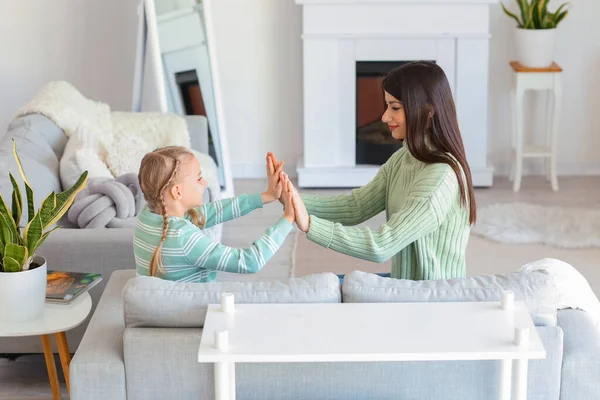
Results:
<point x="176" y="43"/>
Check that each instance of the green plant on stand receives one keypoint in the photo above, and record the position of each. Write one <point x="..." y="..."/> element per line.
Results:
<point x="23" y="274"/>
<point x="535" y="34"/>
<point x="18" y="248"/>
<point x="535" y="14"/>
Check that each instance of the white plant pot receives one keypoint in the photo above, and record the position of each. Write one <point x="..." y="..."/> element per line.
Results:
<point x="535" y="47"/>
<point x="23" y="294"/>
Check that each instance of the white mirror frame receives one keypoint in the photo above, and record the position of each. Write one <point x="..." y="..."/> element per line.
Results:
<point x="148" y="43"/>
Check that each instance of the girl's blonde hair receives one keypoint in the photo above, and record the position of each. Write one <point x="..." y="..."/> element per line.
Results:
<point x="159" y="171"/>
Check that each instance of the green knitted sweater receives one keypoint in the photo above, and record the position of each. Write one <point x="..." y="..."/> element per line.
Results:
<point x="427" y="229"/>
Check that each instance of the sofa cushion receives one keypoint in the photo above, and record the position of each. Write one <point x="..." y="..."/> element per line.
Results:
<point x="536" y="288"/>
<point x="154" y="302"/>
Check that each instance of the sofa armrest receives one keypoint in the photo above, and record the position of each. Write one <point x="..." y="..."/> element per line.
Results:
<point x="40" y="144"/>
<point x="198" y="128"/>
<point x="98" y="369"/>
<point x="581" y="358"/>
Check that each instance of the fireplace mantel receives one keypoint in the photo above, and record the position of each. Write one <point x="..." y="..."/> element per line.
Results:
<point x="338" y="33"/>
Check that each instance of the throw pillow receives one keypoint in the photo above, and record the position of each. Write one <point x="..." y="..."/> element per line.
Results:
<point x="83" y="152"/>
<point x="126" y="153"/>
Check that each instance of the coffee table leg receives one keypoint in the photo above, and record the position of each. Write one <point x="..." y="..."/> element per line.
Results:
<point x="505" y="379"/>
<point x="520" y="379"/>
<point x="65" y="355"/>
<point x="222" y="382"/>
<point x="51" y="367"/>
<point x="232" y="381"/>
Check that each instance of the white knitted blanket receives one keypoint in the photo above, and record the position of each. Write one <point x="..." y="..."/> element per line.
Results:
<point x="118" y="139"/>
<point x="573" y="289"/>
<point x="69" y="109"/>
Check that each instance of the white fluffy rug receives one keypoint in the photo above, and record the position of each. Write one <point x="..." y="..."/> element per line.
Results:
<point x="535" y="224"/>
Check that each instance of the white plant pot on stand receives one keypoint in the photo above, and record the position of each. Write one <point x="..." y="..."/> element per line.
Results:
<point x="535" y="47"/>
<point x="23" y="294"/>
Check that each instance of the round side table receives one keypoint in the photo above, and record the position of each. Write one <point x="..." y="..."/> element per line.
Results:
<point x="57" y="319"/>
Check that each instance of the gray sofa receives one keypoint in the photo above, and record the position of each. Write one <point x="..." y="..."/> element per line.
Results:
<point x="40" y="144"/>
<point x="143" y="339"/>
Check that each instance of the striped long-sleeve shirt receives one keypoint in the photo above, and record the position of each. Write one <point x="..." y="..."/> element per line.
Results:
<point x="188" y="255"/>
<point x="427" y="228"/>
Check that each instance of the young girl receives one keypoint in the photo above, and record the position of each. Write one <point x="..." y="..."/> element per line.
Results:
<point x="168" y="240"/>
<point x="425" y="188"/>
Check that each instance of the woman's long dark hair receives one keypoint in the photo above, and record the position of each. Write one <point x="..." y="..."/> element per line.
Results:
<point x="425" y="93"/>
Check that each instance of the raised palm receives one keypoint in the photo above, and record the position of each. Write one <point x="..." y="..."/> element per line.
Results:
<point x="274" y="186"/>
<point x="276" y="165"/>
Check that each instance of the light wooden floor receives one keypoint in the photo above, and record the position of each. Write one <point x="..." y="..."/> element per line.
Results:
<point x="26" y="377"/>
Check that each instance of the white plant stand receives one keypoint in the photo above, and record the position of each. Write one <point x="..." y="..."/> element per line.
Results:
<point x="535" y="79"/>
<point x="57" y="319"/>
<point x="259" y="333"/>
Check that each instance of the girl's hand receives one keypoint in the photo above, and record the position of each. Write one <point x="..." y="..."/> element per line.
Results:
<point x="302" y="217"/>
<point x="286" y="198"/>
<point x="273" y="159"/>
<point x="274" y="185"/>
<point x="276" y="166"/>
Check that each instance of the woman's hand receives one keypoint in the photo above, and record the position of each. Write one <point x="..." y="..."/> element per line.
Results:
<point x="274" y="185"/>
<point x="302" y="217"/>
<point x="286" y="198"/>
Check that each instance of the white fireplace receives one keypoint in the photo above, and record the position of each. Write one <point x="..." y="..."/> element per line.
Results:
<point x="339" y="33"/>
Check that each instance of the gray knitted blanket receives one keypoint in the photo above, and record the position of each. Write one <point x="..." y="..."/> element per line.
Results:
<point x="108" y="203"/>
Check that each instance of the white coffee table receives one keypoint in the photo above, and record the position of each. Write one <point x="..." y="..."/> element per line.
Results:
<point x="57" y="319"/>
<point x="360" y="332"/>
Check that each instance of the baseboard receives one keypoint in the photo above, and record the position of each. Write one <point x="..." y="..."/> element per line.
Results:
<point x="335" y="177"/>
<point x="535" y="167"/>
<point x="481" y="176"/>
<point x="530" y="167"/>
<point x="256" y="171"/>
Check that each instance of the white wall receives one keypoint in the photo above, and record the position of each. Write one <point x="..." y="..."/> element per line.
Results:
<point x="578" y="53"/>
<point x="92" y="45"/>
<point x="263" y="86"/>
<point x="88" y="43"/>
<point x="260" y="61"/>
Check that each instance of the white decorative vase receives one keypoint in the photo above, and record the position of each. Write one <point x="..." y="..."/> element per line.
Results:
<point x="23" y="294"/>
<point x="535" y="47"/>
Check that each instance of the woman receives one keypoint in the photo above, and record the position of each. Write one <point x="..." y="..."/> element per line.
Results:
<point x="425" y="187"/>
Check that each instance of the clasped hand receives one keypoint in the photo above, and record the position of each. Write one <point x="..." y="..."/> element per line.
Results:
<point x="282" y="189"/>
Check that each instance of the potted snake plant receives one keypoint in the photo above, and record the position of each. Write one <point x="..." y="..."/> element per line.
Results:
<point x="535" y="33"/>
<point x="22" y="271"/>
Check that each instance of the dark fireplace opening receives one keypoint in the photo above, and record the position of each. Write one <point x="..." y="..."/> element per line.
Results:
<point x="193" y="102"/>
<point x="374" y="141"/>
